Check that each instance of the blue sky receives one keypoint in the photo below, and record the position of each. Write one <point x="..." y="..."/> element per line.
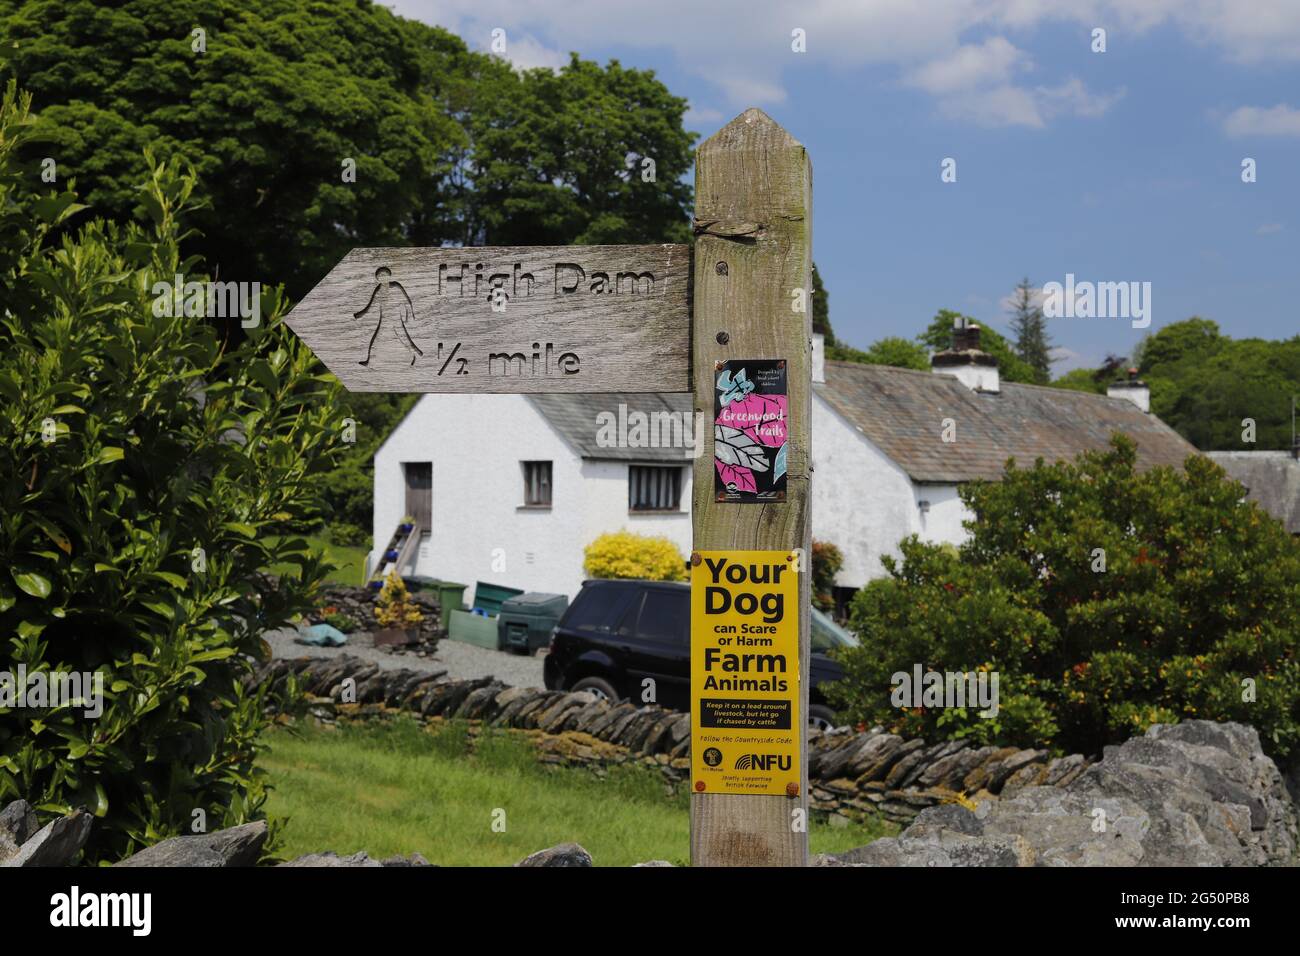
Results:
<point x="1115" y="166"/>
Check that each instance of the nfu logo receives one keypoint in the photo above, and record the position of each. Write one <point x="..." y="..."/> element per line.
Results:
<point x="763" y="762"/>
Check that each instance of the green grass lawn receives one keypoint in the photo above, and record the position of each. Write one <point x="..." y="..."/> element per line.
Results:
<point x="400" y="788"/>
<point x="351" y="561"/>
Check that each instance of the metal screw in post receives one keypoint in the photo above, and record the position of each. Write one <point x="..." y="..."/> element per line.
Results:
<point x="723" y="338"/>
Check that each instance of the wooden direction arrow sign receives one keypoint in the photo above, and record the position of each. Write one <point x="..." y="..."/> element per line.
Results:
<point x="508" y="319"/>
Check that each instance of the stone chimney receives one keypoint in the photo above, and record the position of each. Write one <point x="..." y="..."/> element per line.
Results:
<point x="818" y="357"/>
<point x="971" y="365"/>
<point x="1132" y="388"/>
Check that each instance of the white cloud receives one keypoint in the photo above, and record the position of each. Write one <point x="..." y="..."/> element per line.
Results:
<point x="1280" y="120"/>
<point x="990" y="62"/>
<point x="1258" y="31"/>
<point x="998" y="106"/>
<point x="703" y="116"/>
<point x="1073" y="99"/>
<point x="524" y="53"/>
<point x="752" y="91"/>
<point x="743" y="46"/>
<point x="974" y="83"/>
<point x="1269" y="229"/>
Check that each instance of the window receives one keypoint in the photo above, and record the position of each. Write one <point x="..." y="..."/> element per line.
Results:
<point x="661" y="615"/>
<point x="595" y="604"/>
<point x="537" y="484"/>
<point x="654" y="489"/>
<point x="666" y="616"/>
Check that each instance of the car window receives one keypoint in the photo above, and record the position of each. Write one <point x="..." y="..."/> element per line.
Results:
<point x="627" y="625"/>
<point x="593" y="608"/>
<point x="827" y="635"/>
<point x="665" y="616"/>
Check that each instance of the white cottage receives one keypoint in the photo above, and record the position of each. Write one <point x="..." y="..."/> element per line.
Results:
<point x="510" y="489"/>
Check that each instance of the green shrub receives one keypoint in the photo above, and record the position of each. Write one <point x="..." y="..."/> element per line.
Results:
<point x="1193" y="616"/>
<point x="622" y="554"/>
<point x="827" y="560"/>
<point x="339" y="620"/>
<point x="132" y="542"/>
<point x="347" y="535"/>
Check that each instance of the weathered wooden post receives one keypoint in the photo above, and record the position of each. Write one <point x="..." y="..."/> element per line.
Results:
<point x="752" y="289"/>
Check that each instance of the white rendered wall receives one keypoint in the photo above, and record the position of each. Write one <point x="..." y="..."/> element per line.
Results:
<point x="862" y="502"/>
<point x="476" y="443"/>
<point x="942" y="522"/>
<point x="1138" y="395"/>
<point x="980" y="378"/>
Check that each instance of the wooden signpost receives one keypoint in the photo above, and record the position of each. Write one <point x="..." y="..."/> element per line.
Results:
<point x="504" y="319"/>
<point x="667" y="318"/>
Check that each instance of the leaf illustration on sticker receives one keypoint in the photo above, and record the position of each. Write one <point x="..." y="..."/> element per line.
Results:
<point x="778" y="466"/>
<point x="731" y="446"/>
<point x="733" y="389"/>
<point x="736" y="479"/>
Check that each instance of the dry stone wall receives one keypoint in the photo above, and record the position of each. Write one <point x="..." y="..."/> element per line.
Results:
<point x="850" y="773"/>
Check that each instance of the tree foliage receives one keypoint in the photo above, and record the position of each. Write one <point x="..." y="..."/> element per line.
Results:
<point x="821" y="308"/>
<point x="348" y="491"/>
<point x="145" y="482"/>
<point x="585" y="154"/>
<point x="1205" y="384"/>
<point x="1030" y="329"/>
<point x="1105" y="599"/>
<point x="449" y="145"/>
<point x="1081" y="380"/>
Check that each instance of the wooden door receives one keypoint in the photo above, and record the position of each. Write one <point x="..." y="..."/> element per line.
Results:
<point x="419" y="493"/>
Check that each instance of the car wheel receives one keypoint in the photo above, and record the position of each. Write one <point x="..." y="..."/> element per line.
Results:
<point x="821" y="717"/>
<point x="598" y="687"/>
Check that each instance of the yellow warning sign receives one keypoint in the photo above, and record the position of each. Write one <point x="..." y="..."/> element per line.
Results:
<point x="745" y="722"/>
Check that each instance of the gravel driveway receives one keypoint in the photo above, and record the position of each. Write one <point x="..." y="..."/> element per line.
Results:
<point x="460" y="661"/>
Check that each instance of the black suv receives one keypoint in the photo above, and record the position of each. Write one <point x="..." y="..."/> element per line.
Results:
<point x="616" y="633"/>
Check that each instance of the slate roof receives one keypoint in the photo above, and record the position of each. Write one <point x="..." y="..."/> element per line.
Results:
<point x="902" y="411"/>
<point x="1272" y="480"/>
<point x="576" y="417"/>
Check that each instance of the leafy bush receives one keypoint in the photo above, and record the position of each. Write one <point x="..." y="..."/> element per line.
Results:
<point x="395" y="607"/>
<point x="1105" y="599"/>
<point x="145" y="479"/>
<point x="827" y="560"/>
<point x="622" y="554"/>
<point x="340" y="620"/>
<point x="348" y="535"/>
